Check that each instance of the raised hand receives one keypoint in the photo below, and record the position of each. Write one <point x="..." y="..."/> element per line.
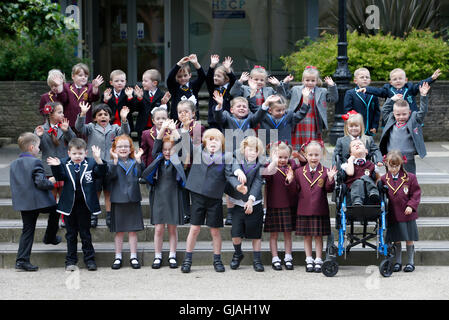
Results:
<point x="244" y="77"/>
<point x="424" y="89"/>
<point x="329" y="81"/>
<point x="214" y="60"/>
<point x="129" y="92"/>
<point x="253" y="87"/>
<point x="97" y="82"/>
<point x="114" y="156"/>
<point x="107" y="94"/>
<point x="84" y="106"/>
<point x="64" y="126"/>
<point x="96" y="153"/>
<point x="397" y="97"/>
<point x="305" y="95"/>
<point x="331" y="173"/>
<point x="193" y="58"/>
<point x="53" y="161"/>
<point x="227" y="63"/>
<point x="183" y="61"/>
<point x="436" y="74"/>
<point x="138" y="91"/>
<point x="290" y="175"/>
<point x="274" y="81"/>
<point x="288" y="78"/>
<point x="218" y="97"/>
<point x="138" y="154"/>
<point x="166" y="98"/>
<point x="39" y="131"/>
<point x="124" y="113"/>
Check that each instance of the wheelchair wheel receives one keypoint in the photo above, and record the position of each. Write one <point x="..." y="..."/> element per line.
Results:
<point x="386" y="268"/>
<point x="329" y="268"/>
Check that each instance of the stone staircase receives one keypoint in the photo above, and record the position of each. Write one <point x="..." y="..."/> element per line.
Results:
<point x="432" y="249"/>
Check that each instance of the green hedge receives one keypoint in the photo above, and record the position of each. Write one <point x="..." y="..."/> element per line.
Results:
<point x="26" y="59"/>
<point x="419" y="54"/>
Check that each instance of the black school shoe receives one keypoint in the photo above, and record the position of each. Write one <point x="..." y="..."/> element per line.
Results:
<point x="277" y="265"/>
<point x="91" y="265"/>
<point x="134" y="262"/>
<point x="218" y="266"/>
<point x="186" y="265"/>
<point x="93" y="221"/>
<point x="26" y="266"/>
<point x="258" y="266"/>
<point x="57" y="240"/>
<point x="117" y="264"/>
<point x="173" y="263"/>
<point x="236" y="259"/>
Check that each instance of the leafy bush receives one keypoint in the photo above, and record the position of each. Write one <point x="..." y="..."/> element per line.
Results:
<point x="419" y="54"/>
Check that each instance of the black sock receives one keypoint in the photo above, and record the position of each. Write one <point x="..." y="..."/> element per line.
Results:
<point x="256" y="255"/>
<point x="217" y="257"/>
<point x="188" y="256"/>
<point x="238" y="249"/>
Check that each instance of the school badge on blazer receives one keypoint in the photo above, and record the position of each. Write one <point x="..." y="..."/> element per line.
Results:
<point x="405" y="189"/>
<point x="85" y="96"/>
<point x="320" y="182"/>
<point x="88" y="176"/>
<point x="367" y="172"/>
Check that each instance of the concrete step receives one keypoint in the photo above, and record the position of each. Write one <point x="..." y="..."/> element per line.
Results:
<point x="49" y="256"/>
<point x="429" y="207"/>
<point x="11" y="229"/>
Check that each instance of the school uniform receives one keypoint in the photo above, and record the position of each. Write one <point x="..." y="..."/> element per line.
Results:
<point x="312" y="214"/>
<point x="224" y="90"/>
<point x="364" y="178"/>
<point x="30" y="193"/>
<point x="342" y="150"/>
<point x="315" y="121"/>
<point x="177" y="91"/>
<point x="116" y="103"/>
<point x="403" y="192"/>
<point x="149" y="101"/>
<point x="255" y="102"/>
<point x="77" y="202"/>
<point x="281" y="199"/>
<point x="284" y="125"/>
<point x="409" y="138"/>
<point x="49" y="149"/>
<point x="167" y="180"/>
<point x="126" y="211"/>
<point x="246" y="225"/>
<point x="74" y="97"/>
<point x="206" y="182"/>
<point x="365" y="104"/>
<point x="50" y="97"/>
<point x="408" y="91"/>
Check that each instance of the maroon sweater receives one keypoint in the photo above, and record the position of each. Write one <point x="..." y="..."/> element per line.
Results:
<point x="278" y="193"/>
<point x="402" y="193"/>
<point x="74" y="97"/>
<point x="312" y="197"/>
<point x="49" y="97"/>
<point x="360" y="171"/>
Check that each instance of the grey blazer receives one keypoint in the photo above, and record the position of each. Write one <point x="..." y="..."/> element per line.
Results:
<point x="323" y="96"/>
<point x="97" y="136"/>
<point x="254" y="181"/>
<point x="124" y="182"/>
<point x="30" y="188"/>
<point x="342" y="150"/>
<point x="414" y="126"/>
<point x="49" y="149"/>
<point x="241" y="90"/>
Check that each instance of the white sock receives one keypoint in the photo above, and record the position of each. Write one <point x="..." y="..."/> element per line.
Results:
<point x="172" y="255"/>
<point x="133" y="256"/>
<point x="288" y="257"/>
<point x="274" y="259"/>
<point x="118" y="255"/>
<point x="309" y="260"/>
<point x="318" y="261"/>
<point x="158" y="255"/>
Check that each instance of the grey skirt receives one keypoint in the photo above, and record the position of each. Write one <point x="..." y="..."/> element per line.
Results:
<point x="126" y="217"/>
<point x="402" y="231"/>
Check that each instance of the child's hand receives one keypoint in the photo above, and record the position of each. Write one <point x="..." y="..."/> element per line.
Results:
<point x="138" y="91"/>
<point x="227" y="64"/>
<point x="194" y="60"/>
<point x="183" y="61"/>
<point x="363" y="90"/>
<point x="305" y="95"/>
<point x="107" y="94"/>
<point x="39" y="131"/>
<point x="288" y="78"/>
<point x="274" y="81"/>
<point x="424" y="89"/>
<point x="165" y="125"/>
<point x="124" y="113"/>
<point x="218" y="97"/>
<point x="53" y="161"/>
<point x="248" y="206"/>
<point x="397" y="97"/>
<point x="214" y="60"/>
<point x="242" y="188"/>
<point x="373" y="130"/>
<point x="408" y="211"/>
<point x="97" y="82"/>
<point x="165" y="98"/>
<point x="241" y="177"/>
<point x="64" y="126"/>
<point x="96" y="153"/>
<point x="299" y="156"/>
<point x="436" y="74"/>
<point x="114" y="155"/>
<point x="129" y="92"/>
<point x="331" y="173"/>
<point x="244" y="77"/>
<point x="84" y="106"/>
<point x="253" y="87"/>
<point x="171" y="125"/>
<point x="290" y="175"/>
<point x="52" y="180"/>
<point x="329" y="81"/>
<point x="380" y="164"/>
<point x="138" y="154"/>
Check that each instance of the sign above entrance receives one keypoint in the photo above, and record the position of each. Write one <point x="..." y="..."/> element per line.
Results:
<point x="228" y="9"/>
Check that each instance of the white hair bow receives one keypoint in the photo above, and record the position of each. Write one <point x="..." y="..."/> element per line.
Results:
<point x="192" y="98"/>
<point x="162" y="106"/>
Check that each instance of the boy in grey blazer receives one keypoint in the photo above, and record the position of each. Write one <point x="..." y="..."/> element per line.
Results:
<point x="403" y="128"/>
<point x="30" y="190"/>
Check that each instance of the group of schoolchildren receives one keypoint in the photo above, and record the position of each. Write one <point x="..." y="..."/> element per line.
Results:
<point x="261" y="151"/>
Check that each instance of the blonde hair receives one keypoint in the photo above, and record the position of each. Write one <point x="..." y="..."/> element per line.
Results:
<point x="282" y="102"/>
<point x="315" y="143"/>
<point x="358" y="119"/>
<point x="254" y="142"/>
<point x="396" y="71"/>
<point x="357" y="72"/>
<point x="154" y="75"/>
<point x="312" y="72"/>
<point x="116" y="73"/>
<point x="401" y="103"/>
<point x="222" y="69"/>
<point x="213" y="133"/>
<point x="26" y="139"/>
<point x="280" y="145"/>
<point x="237" y="100"/>
<point x="54" y="73"/>
<point x="258" y="69"/>
<point x="77" y="68"/>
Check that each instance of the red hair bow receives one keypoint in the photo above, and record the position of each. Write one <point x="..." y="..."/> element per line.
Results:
<point x="310" y="67"/>
<point x="405" y="159"/>
<point x="346" y="116"/>
<point x="304" y="145"/>
<point x="259" y="67"/>
<point x="47" y="109"/>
